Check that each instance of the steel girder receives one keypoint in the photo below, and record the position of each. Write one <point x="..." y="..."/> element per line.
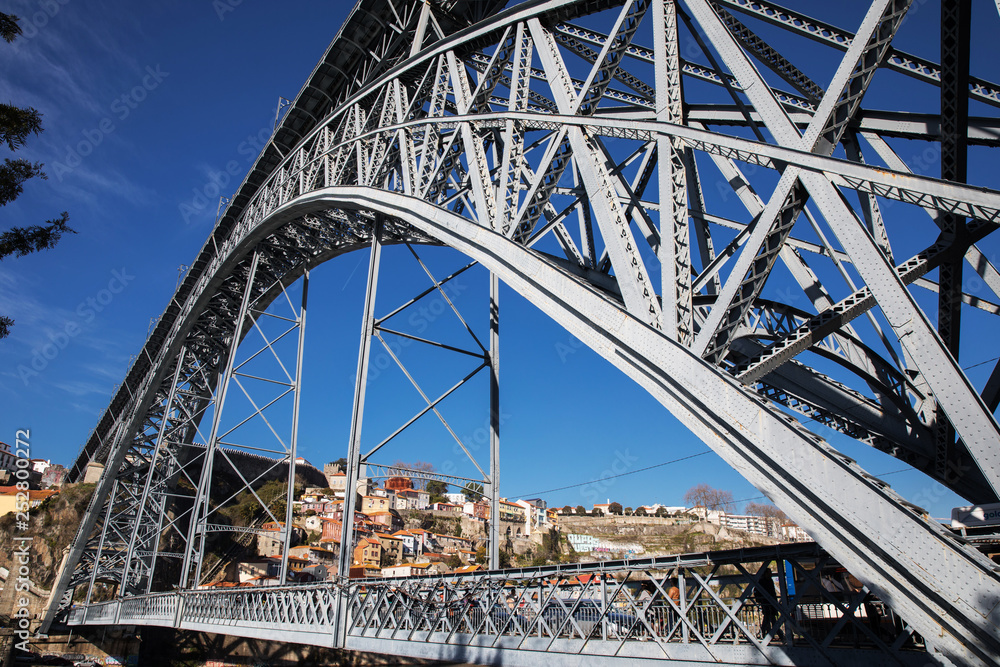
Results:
<point x="456" y="162"/>
<point x="720" y="607"/>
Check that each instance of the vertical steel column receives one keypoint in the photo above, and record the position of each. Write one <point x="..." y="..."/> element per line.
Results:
<point x="675" y="244"/>
<point x="100" y="543"/>
<point x="354" y="447"/>
<point x="955" y="35"/>
<point x="205" y="483"/>
<point x="149" y="478"/>
<point x="494" y="535"/>
<point x="290" y="495"/>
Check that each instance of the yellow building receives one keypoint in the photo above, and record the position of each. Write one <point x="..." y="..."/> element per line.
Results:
<point x="8" y="498"/>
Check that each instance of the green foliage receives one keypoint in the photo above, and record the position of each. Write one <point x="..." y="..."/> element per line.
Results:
<point x="245" y="510"/>
<point x="581" y="510"/>
<point x="482" y="556"/>
<point x="453" y="561"/>
<point x="641" y="512"/>
<point x="16" y="125"/>
<point x="473" y="491"/>
<point x="615" y="508"/>
<point x="9" y="29"/>
<point x="437" y="489"/>
<point x="504" y="558"/>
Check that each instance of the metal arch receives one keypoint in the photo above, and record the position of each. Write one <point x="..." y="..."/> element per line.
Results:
<point x="751" y="436"/>
<point x="370" y="145"/>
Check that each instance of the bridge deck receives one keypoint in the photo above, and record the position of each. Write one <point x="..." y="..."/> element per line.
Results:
<point x="722" y="611"/>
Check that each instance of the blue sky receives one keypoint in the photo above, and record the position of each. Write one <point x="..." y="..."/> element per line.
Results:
<point x="146" y="105"/>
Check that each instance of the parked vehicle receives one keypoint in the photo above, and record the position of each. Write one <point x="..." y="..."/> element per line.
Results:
<point x="55" y="660"/>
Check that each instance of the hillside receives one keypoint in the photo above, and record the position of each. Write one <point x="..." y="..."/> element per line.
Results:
<point x="659" y="536"/>
<point x="52" y="526"/>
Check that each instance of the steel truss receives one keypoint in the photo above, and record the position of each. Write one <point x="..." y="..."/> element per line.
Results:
<point x="360" y="464"/>
<point x="564" y="145"/>
<point x="755" y="606"/>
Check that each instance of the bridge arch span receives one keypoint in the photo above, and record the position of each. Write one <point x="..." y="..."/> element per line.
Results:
<point x="429" y="143"/>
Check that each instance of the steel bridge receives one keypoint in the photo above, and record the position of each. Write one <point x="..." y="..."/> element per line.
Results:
<point x="564" y="146"/>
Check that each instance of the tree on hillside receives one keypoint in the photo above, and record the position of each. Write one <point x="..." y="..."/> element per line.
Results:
<point x="628" y="511"/>
<point x="473" y="491"/>
<point x="703" y="495"/>
<point x="581" y="510"/>
<point x="615" y="508"/>
<point x="437" y="489"/>
<point x="641" y="511"/>
<point x="766" y="510"/>
<point x="16" y="125"/>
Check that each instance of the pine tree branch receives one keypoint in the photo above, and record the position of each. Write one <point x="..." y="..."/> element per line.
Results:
<point x="16" y="123"/>
<point x="13" y="174"/>
<point x="21" y="241"/>
<point x="9" y="29"/>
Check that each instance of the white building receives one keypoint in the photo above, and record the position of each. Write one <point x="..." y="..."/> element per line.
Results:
<point x="792" y="533"/>
<point x="6" y="457"/>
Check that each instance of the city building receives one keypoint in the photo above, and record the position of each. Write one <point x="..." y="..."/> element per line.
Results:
<point x="7" y="461"/>
<point x="392" y="546"/>
<point x="315" y="555"/>
<point x="446" y="507"/>
<point x="54" y="476"/>
<point x="368" y="553"/>
<point x="793" y="533"/>
<point x="271" y="540"/>
<point x="405" y="570"/>
<point x="337" y="481"/>
<point x="511" y="512"/>
<point x="8" y="499"/>
<point x="372" y="504"/>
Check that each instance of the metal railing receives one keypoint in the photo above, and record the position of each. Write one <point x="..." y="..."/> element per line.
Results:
<point x="772" y="602"/>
